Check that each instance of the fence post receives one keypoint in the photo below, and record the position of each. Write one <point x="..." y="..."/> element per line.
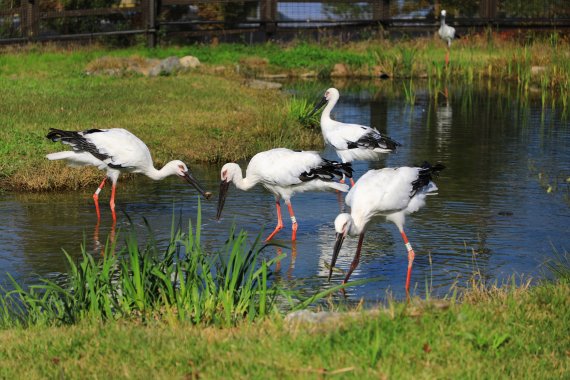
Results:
<point x="30" y="18"/>
<point x="151" y="26"/>
<point x="488" y="9"/>
<point x="268" y="12"/>
<point x="381" y="10"/>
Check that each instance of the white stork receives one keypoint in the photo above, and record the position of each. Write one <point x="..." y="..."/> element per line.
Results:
<point x="447" y="33"/>
<point x="116" y="151"/>
<point x="392" y="193"/>
<point x="284" y="172"/>
<point x="351" y="141"/>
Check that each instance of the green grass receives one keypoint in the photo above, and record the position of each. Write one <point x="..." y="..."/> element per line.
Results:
<point x="508" y="333"/>
<point x="204" y="116"/>
<point x="194" y="117"/>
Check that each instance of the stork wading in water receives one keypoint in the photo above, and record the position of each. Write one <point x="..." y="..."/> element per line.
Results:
<point x="284" y="172"/>
<point x="446" y="33"/>
<point x="116" y="151"/>
<point x="392" y="193"/>
<point x="352" y="142"/>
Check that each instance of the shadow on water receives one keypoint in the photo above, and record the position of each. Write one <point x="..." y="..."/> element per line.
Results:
<point x="493" y="213"/>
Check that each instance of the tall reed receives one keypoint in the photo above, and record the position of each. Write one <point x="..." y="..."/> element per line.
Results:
<point x="181" y="282"/>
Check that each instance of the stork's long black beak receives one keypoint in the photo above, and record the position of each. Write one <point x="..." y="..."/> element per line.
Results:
<point x="224" y="186"/>
<point x="192" y="181"/>
<point x="318" y="106"/>
<point x="337" y="246"/>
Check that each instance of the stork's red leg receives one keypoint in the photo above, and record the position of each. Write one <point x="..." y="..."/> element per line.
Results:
<point x="293" y="221"/>
<point x="411" y="256"/>
<point x="96" y="198"/>
<point x="279" y="221"/>
<point x="447" y="58"/>
<point x="351" y="182"/>
<point x="112" y="203"/>
<point x="356" y="259"/>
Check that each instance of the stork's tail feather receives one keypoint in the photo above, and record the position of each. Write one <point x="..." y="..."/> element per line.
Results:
<point x="60" y="135"/>
<point x="425" y="175"/>
<point x="328" y="171"/>
<point x="60" y="155"/>
<point x="390" y="143"/>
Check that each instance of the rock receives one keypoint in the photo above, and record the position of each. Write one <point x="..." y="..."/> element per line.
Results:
<point x="263" y="85"/>
<point x="340" y="70"/>
<point x="273" y="76"/>
<point x="167" y="66"/>
<point x="189" y="62"/>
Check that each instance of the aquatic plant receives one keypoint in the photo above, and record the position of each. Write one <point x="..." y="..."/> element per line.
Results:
<point x="182" y="282"/>
<point x="559" y="266"/>
<point x="410" y="92"/>
<point x="299" y="109"/>
<point x="406" y="60"/>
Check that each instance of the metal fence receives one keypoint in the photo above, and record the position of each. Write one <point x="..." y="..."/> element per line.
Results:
<point x="157" y="20"/>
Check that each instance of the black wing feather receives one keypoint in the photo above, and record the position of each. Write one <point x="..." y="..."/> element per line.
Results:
<point x="373" y="139"/>
<point x="327" y="171"/>
<point x="77" y="141"/>
<point x="425" y="175"/>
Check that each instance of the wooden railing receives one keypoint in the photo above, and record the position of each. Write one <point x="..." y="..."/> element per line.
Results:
<point x="27" y="22"/>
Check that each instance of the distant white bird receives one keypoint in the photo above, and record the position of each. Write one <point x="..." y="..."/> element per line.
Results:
<point x="116" y="151"/>
<point x="351" y="141"/>
<point x="447" y="33"/>
<point x="284" y="172"/>
<point x="390" y="192"/>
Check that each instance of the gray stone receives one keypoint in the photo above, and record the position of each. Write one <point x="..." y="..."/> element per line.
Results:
<point x="189" y="62"/>
<point x="263" y="85"/>
<point x="167" y="66"/>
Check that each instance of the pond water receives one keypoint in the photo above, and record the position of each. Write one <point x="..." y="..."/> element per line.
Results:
<point x="494" y="213"/>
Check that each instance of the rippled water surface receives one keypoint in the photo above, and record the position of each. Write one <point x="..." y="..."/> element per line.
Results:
<point x="493" y="214"/>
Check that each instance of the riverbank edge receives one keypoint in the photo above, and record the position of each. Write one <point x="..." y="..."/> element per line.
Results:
<point x="519" y="331"/>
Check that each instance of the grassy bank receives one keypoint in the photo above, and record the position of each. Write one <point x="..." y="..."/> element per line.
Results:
<point x="209" y="115"/>
<point x="194" y="117"/>
<point x="512" y="333"/>
<point x="187" y="312"/>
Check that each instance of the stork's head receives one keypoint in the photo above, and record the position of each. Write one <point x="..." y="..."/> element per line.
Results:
<point x="180" y="169"/>
<point x="343" y="226"/>
<point x="443" y="13"/>
<point x="330" y="95"/>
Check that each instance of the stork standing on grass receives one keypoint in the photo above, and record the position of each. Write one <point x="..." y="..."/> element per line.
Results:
<point x="447" y="33"/>
<point x="284" y="172"/>
<point x="116" y="151"/>
<point x="351" y="141"/>
<point x="392" y="193"/>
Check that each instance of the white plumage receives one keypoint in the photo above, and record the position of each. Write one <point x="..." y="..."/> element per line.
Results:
<point x="392" y="193"/>
<point x="116" y="151"/>
<point x="351" y="141"/>
<point x="446" y="32"/>
<point x="284" y="172"/>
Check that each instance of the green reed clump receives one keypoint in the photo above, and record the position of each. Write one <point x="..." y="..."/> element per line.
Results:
<point x="410" y="92"/>
<point x="299" y="109"/>
<point x="182" y="283"/>
<point x="559" y="266"/>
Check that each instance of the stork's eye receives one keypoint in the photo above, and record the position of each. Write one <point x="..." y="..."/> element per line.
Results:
<point x="180" y="167"/>
<point x="224" y="174"/>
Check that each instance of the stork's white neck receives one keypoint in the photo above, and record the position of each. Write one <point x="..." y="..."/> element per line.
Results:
<point x="157" y="175"/>
<point x="326" y="115"/>
<point x="442" y="20"/>
<point x="237" y="178"/>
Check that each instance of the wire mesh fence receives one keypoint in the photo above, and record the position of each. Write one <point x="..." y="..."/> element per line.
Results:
<point x="28" y="20"/>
